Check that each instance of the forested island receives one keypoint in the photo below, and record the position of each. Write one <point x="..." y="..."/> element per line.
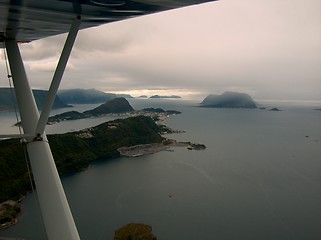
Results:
<point x="229" y="100"/>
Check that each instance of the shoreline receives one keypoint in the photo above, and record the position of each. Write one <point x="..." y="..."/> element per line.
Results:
<point x="150" y="148"/>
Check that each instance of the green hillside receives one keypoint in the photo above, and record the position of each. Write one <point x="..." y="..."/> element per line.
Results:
<point x="74" y="151"/>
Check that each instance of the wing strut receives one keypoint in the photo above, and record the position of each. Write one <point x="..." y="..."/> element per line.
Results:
<point x="58" y="76"/>
<point x="55" y="209"/>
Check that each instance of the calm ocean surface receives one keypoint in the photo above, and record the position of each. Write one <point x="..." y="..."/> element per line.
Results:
<point x="259" y="178"/>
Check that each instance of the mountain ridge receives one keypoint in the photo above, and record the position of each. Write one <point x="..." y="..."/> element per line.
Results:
<point x="7" y="101"/>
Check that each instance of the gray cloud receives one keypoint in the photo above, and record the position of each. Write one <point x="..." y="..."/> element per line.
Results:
<point x="270" y="49"/>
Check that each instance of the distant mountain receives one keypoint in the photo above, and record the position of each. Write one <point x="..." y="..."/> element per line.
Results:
<point x="117" y="105"/>
<point x="85" y="96"/>
<point x="229" y="100"/>
<point x="142" y="96"/>
<point x="172" y="96"/>
<point x="40" y="96"/>
<point x="124" y="95"/>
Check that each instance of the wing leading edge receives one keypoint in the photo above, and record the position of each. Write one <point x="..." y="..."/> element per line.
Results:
<point x="29" y="20"/>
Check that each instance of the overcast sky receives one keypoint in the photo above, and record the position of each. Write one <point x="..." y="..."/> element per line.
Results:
<point x="268" y="49"/>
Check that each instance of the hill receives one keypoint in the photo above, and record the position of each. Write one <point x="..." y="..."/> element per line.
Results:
<point x="229" y="100"/>
<point x="40" y="96"/>
<point x="117" y="105"/>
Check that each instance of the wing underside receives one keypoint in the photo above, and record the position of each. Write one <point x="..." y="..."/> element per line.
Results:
<point x="28" y="20"/>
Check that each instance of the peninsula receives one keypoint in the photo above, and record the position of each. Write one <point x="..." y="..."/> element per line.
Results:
<point x="74" y="151"/>
<point x="229" y="100"/>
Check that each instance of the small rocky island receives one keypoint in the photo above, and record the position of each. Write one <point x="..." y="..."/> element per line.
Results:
<point x="275" y="109"/>
<point x="135" y="231"/>
<point x="9" y="210"/>
<point x="229" y="100"/>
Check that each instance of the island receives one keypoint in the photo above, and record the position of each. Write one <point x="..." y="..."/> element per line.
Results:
<point x="134" y="231"/>
<point x="229" y="100"/>
<point x="171" y="96"/>
<point x="8" y="99"/>
<point x="275" y="109"/>
<point x="9" y="211"/>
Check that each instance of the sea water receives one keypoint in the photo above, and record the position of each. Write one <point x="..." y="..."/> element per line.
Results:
<point x="259" y="178"/>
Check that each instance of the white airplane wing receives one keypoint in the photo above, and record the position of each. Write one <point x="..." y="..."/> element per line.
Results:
<point x="28" y="20"/>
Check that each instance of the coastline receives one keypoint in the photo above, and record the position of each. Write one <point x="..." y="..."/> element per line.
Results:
<point x="150" y="148"/>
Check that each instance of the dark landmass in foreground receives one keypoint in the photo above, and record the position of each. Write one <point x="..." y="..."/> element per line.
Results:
<point x="74" y="151"/>
<point x="229" y="100"/>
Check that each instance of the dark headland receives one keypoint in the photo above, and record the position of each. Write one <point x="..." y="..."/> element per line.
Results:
<point x="229" y="100"/>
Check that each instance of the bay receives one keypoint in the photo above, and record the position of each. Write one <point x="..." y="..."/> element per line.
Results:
<point x="259" y="178"/>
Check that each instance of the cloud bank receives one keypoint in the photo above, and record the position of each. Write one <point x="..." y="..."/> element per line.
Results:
<point x="269" y="49"/>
